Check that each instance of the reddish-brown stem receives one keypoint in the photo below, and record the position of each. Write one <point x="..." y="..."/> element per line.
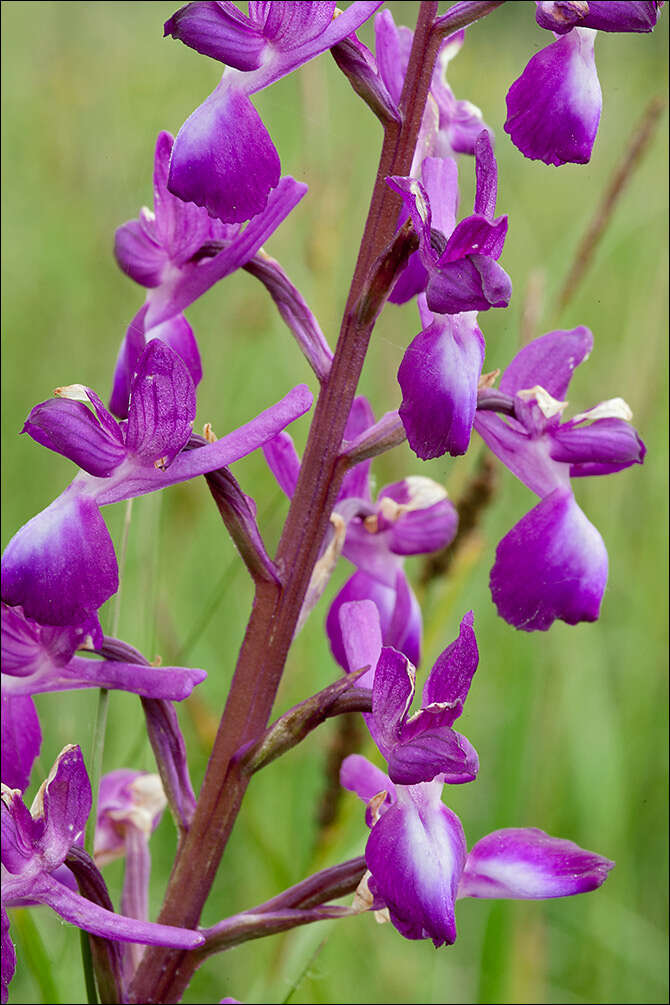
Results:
<point x="164" y="974"/>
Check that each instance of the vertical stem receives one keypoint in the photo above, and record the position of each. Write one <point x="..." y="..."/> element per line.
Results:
<point x="164" y="974"/>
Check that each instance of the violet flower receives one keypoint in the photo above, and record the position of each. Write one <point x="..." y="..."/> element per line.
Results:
<point x="449" y="126"/>
<point x="36" y="842"/>
<point x="409" y="517"/>
<point x="460" y="270"/>
<point x="553" y="109"/>
<point x="178" y="252"/>
<point x="553" y="563"/>
<point x="424" y="745"/>
<point x="416" y="853"/>
<point x="130" y="806"/>
<point x="60" y="566"/>
<point x="39" y="658"/>
<point x="223" y="157"/>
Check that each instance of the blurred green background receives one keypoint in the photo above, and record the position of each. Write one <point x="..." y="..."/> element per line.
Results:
<point x="570" y="725"/>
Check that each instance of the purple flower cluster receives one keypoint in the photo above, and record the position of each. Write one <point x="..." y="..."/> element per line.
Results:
<point x="218" y="196"/>
<point x="416" y="853"/>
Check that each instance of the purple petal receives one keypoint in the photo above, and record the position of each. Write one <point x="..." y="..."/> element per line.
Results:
<point x="360" y="587"/>
<point x="98" y="921"/>
<point x="127" y="799"/>
<point x="302" y="31"/>
<point x="552" y="564"/>
<point x="199" y="274"/>
<point x="65" y="805"/>
<point x="422" y="531"/>
<point x="60" y="566"/>
<point x="293" y="23"/>
<point x="283" y="461"/>
<point x="524" y="863"/>
<point x="138" y="255"/>
<point x="361" y="638"/>
<point x="392" y="46"/>
<point x="553" y="109"/>
<point x="417" y="205"/>
<point x="602" y="447"/>
<point x="143" y="478"/>
<point x="223" y="158"/>
<point x="21" y="739"/>
<point x="178" y="334"/>
<point x="29" y="648"/>
<point x="405" y="629"/>
<point x="179" y="227"/>
<point x="70" y="428"/>
<point x="432" y="750"/>
<point x="8" y="958"/>
<point x="162" y="405"/>
<point x="220" y="31"/>
<point x="358" y="775"/>
<point x="438" y="377"/>
<point x="473" y="283"/>
<point x="411" y="281"/>
<point x="356" y="482"/>
<point x="169" y="683"/>
<point x="475" y="234"/>
<point x="486" y="171"/>
<point x="548" y="361"/>
<point x="392" y="693"/>
<point x="450" y="679"/>
<point x="130" y="351"/>
<point x="416" y="853"/>
<point x="627" y="16"/>
<point x="527" y="457"/>
<point x="399" y="615"/>
<point x="562" y="15"/>
<point x="440" y="179"/>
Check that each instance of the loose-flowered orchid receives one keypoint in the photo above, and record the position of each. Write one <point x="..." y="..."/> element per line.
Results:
<point x="178" y="252"/>
<point x="60" y="566"/>
<point x="553" y="109"/>
<point x="223" y="156"/>
<point x="36" y="843"/>
<point x="553" y="563"/>
<point x="457" y="265"/>
<point x="449" y="126"/>
<point x="409" y="517"/>
<point x="39" y="658"/>
<point x="416" y="852"/>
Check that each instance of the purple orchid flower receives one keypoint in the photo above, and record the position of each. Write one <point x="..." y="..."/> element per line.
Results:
<point x="178" y="252"/>
<point x="416" y="852"/>
<point x="39" y="658"/>
<point x="553" y="564"/>
<point x="223" y="157"/>
<point x="410" y="517"/>
<point x="130" y="806"/>
<point x="36" y="843"/>
<point x="449" y="126"/>
<point x="459" y="264"/>
<point x="60" y="566"/>
<point x="553" y="109"/>
<point x="422" y="746"/>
